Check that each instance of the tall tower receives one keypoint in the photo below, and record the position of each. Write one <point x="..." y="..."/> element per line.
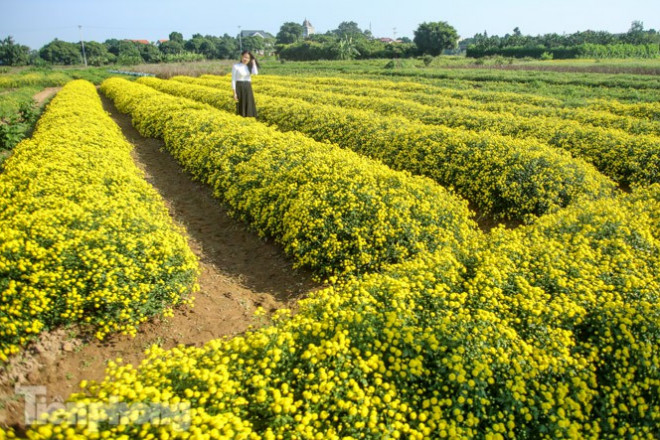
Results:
<point x="308" y="29"/>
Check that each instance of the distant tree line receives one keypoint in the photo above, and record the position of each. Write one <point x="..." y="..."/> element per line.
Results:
<point x="348" y="41"/>
<point x="129" y="52"/>
<point x="636" y="43"/>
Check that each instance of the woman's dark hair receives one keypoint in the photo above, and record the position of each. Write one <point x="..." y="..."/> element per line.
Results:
<point x="252" y="58"/>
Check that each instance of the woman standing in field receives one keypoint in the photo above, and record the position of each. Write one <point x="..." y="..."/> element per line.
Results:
<point x="241" y="83"/>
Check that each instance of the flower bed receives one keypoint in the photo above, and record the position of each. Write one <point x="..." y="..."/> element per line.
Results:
<point x="84" y="237"/>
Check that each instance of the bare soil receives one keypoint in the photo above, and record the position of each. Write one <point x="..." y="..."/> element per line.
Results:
<point x="45" y="94"/>
<point x="239" y="272"/>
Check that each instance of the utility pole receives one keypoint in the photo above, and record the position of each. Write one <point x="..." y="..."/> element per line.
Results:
<point x="240" y="41"/>
<point x="82" y="43"/>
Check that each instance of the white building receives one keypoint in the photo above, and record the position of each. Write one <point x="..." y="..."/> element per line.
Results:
<point x="308" y="29"/>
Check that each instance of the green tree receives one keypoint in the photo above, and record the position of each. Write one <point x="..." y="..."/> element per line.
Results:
<point x="112" y="44"/>
<point x="226" y="47"/>
<point x="176" y="36"/>
<point x="194" y="44"/>
<point x="61" y="52"/>
<point x="172" y="47"/>
<point x="290" y="32"/>
<point x="97" y="54"/>
<point x="129" y="54"/>
<point x="12" y="54"/>
<point x="400" y="50"/>
<point x="635" y="34"/>
<point x="433" y="38"/>
<point x="307" y="50"/>
<point x="254" y="44"/>
<point x="348" y="29"/>
<point x="149" y="53"/>
<point x="208" y="48"/>
<point x="517" y="39"/>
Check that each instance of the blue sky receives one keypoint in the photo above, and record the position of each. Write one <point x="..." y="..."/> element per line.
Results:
<point x="37" y="22"/>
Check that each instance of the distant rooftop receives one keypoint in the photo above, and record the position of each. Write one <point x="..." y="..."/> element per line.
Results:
<point x="259" y="33"/>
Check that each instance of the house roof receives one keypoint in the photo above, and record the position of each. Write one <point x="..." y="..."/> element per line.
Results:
<point x="259" y="33"/>
<point x="389" y="40"/>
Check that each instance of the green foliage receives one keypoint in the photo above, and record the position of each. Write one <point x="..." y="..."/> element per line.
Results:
<point x="113" y="46"/>
<point x="16" y="127"/>
<point x="61" y="52"/>
<point x="171" y="47"/>
<point x="149" y="53"/>
<point x="28" y="82"/>
<point x="97" y="54"/>
<point x="346" y="49"/>
<point x="586" y="50"/>
<point x="199" y="45"/>
<point x="636" y="43"/>
<point x="398" y="63"/>
<point x="176" y="37"/>
<point x="307" y="50"/>
<point x="290" y="32"/>
<point x="12" y="54"/>
<point x="129" y="54"/>
<point x="433" y="38"/>
<point x="18" y="111"/>
<point x="253" y="44"/>
<point x="348" y="29"/>
<point x="619" y="51"/>
<point x="227" y="47"/>
<point x="330" y="48"/>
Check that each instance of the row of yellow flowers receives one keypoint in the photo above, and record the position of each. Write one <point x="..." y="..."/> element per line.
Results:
<point x="83" y="237"/>
<point x="333" y="210"/>
<point x="635" y="92"/>
<point x="410" y="87"/>
<point x="33" y="79"/>
<point x="639" y="110"/>
<point x="503" y="177"/>
<point x="549" y="331"/>
<point x="633" y="118"/>
<point x="623" y="157"/>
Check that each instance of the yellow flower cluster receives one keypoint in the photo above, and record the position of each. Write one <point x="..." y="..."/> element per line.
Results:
<point x="518" y="104"/>
<point x="503" y="177"/>
<point x="33" y="79"/>
<point x="421" y="91"/>
<point x="569" y="87"/>
<point x="83" y="237"/>
<point x="640" y="110"/>
<point x="549" y="331"/>
<point x="621" y="156"/>
<point x="333" y="210"/>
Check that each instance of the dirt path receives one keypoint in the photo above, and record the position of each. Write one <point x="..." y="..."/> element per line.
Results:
<point x="45" y="94"/>
<point x="239" y="272"/>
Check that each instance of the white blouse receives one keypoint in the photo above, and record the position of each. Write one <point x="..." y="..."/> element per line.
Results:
<point x="241" y="72"/>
